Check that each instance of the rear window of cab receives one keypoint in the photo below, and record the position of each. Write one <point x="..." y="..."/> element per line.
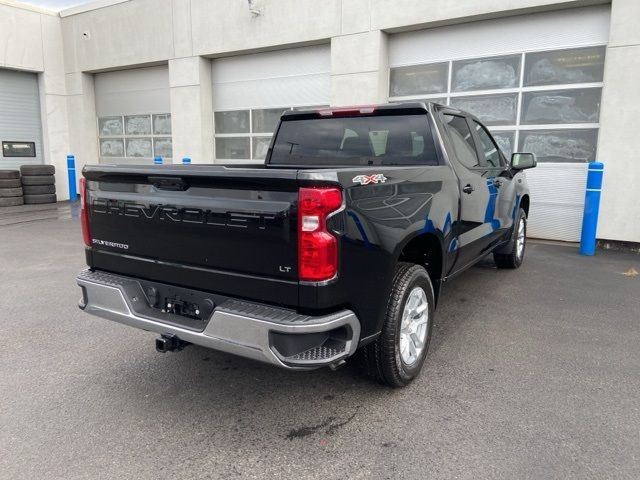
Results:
<point x="355" y="141"/>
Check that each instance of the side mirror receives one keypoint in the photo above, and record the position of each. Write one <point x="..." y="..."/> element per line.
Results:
<point x="522" y="161"/>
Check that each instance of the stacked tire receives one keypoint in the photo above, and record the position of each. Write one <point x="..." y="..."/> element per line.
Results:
<point x="38" y="183"/>
<point x="10" y="188"/>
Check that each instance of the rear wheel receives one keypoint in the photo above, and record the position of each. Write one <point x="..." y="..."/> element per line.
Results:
<point x="514" y="257"/>
<point x="396" y="356"/>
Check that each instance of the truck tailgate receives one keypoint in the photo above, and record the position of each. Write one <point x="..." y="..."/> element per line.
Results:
<point x="200" y="219"/>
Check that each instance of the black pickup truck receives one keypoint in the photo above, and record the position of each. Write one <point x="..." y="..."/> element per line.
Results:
<point x="340" y="242"/>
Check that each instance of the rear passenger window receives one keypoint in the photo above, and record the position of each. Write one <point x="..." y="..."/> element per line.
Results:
<point x="488" y="146"/>
<point x="462" y="140"/>
<point x="379" y="141"/>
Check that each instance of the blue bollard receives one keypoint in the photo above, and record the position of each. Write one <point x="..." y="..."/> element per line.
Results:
<point x="71" y="171"/>
<point x="186" y="161"/>
<point x="591" y="208"/>
<point x="157" y="160"/>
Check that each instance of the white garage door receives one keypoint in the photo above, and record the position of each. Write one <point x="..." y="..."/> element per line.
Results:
<point x="20" y="126"/>
<point x="535" y="80"/>
<point x="250" y="92"/>
<point x="134" y="123"/>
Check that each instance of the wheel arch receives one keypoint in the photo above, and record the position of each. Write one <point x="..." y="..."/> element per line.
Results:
<point x="525" y="203"/>
<point x="425" y="249"/>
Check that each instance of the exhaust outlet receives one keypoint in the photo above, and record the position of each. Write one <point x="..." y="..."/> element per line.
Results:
<point x="168" y="342"/>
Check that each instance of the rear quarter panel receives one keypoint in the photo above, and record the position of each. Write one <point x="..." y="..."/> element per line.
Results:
<point x="379" y="219"/>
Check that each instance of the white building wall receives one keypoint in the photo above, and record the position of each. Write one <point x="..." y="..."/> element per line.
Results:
<point x="139" y="33"/>
<point x="359" y="68"/>
<point x="617" y="148"/>
<point x="20" y="38"/>
<point x="191" y="107"/>
<point x="54" y="112"/>
<point x="132" y="33"/>
<point x="31" y="40"/>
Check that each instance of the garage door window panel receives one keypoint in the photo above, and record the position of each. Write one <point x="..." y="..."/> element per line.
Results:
<point x="139" y="147"/>
<point x="561" y="106"/>
<point x="579" y="65"/>
<point x="110" y="126"/>
<point x="490" y="109"/>
<point x="232" y="121"/>
<point x="419" y="79"/>
<point x="112" y="147"/>
<point x="562" y="145"/>
<point x="163" y="147"/>
<point x="486" y="73"/>
<point x="162" y="124"/>
<point x="137" y="125"/>
<point x="233" y="148"/>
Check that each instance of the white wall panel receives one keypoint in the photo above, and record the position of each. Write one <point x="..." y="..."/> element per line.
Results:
<point x="297" y="76"/>
<point x="557" y="200"/>
<point x="540" y="31"/>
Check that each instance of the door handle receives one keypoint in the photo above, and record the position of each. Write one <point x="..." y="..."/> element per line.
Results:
<point x="467" y="188"/>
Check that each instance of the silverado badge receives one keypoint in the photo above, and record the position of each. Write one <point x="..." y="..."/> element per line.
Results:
<point x="367" y="179"/>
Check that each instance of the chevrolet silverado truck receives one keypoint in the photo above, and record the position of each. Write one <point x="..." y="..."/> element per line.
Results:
<point x="339" y="243"/>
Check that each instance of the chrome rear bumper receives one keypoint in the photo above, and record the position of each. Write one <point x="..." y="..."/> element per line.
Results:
<point x="269" y="334"/>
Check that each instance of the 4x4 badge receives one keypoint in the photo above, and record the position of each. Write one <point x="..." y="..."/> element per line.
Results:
<point x="367" y="179"/>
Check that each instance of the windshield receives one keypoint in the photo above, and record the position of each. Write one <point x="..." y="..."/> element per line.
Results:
<point x="374" y="140"/>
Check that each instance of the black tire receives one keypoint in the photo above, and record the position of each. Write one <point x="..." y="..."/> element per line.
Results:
<point x="11" y="183"/>
<point x="11" y="192"/>
<point x="11" y="201"/>
<point x="38" y="180"/>
<point x="511" y="256"/>
<point x="37" y="170"/>
<point x="38" y="189"/>
<point x="9" y="174"/>
<point x="382" y="359"/>
<point x="45" y="198"/>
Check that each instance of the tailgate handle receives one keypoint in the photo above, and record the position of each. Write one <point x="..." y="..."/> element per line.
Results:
<point x="169" y="183"/>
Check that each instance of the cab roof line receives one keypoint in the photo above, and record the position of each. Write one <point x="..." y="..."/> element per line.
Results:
<point x="357" y="110"/>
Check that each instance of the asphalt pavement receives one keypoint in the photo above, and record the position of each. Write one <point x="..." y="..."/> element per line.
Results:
<point x="532" y="373"/>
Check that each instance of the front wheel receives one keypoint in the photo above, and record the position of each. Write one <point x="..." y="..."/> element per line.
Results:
<point x="396" y="356"/>
<point x="514" y="256"/>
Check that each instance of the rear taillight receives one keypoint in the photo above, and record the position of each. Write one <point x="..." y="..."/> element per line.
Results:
<point x="317" y="247"/>
<point x="84" y="212"/>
